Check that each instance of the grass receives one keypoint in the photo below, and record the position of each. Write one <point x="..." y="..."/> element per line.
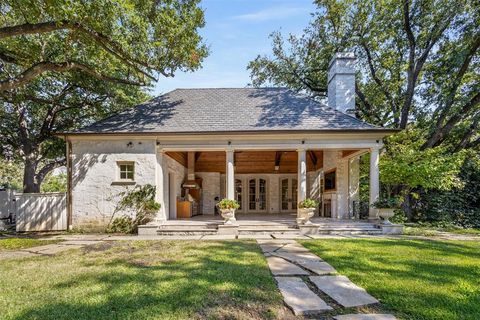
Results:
<point x="416" y="279"/>
<point x="430" y="230"/>
<point x="22" y="243"/>
<point x="142" y="280"/>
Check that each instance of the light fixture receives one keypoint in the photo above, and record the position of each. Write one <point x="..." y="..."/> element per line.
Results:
<point x="277" y="168"/>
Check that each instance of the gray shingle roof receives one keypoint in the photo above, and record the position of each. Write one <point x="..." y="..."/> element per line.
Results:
<point x="227" y="110"/>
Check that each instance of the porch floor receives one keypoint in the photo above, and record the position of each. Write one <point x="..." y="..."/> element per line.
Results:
<point x="270" y="219"/>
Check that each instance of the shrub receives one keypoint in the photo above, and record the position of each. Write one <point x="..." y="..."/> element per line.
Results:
<point x="123" y="224"/>
<point x="142" y="201"/>
<point x="307" y="204"/>
<point x="229" y="204"/>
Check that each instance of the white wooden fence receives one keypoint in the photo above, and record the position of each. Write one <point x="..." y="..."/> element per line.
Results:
<point x="38" y="211"/>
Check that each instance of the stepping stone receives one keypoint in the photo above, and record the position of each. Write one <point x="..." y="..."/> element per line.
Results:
<point x="54" y="249"/>
<point x="268" y="248"/>
<point x="16" y="255"/>
<point x="365" y="317"/>
<point x="318" y="267"/>
<point x="218" y="237"/>
<point x="343" y="291"/>
<point x="254" y="236"/>
<point x="297" y="256"/>
<point x="281" y="267"/>
<point x="293" y="247"/>
<point x="299" y="297"/>
<point x="290" y="236"/>
<point x="79" y="242"/>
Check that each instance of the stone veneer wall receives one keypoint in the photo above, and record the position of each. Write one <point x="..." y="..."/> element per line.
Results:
<point x="210" y="190"/>
<point x="95" y="171"/>
<point x="333" y="159"/>
<point x="175" y="170"/>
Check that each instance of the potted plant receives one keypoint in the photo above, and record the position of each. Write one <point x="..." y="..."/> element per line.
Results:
<point x="386" y="208"/>
<point x="227" y="209"/>
<point x="306" y="210"/>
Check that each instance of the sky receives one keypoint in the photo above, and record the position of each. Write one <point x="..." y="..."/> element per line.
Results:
<point x="236" y="31"/>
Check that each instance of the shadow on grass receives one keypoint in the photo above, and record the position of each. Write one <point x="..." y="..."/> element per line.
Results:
<point x="206" y="280"/>
<point x="417" y="279"/>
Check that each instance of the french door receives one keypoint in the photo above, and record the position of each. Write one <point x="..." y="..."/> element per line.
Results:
<point x="239" y="194"/>
<point x="288" y="192"/>
<point x="257" y="195"/>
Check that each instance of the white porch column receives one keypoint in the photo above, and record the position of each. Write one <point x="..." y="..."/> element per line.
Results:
<point x="374" y="181"/>
<point x="160" y="179"/>
<point x="302" y="175"/>
<point x="230" y="183"/>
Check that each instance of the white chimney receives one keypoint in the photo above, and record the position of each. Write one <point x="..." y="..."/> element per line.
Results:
<point x="341" y="82"/>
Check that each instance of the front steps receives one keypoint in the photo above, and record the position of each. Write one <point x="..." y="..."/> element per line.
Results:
<point x="189" y="228"/>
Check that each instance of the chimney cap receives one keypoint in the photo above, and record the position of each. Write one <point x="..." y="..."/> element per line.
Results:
<point x="341" y="56"/>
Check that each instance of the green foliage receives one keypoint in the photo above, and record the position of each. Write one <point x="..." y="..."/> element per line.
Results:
<point x="10" y="175"/>
<point x="308" y="203"/>
<point x="459" y="206"/>
<point x="55" y="183"/>
<point x="123" y="224"/>
<point x="228" y="204"/>
<point x="140" y="200"/>
<point x="405" y="164"/>
<point x="128" y="42"/>
<point x="390" y="203"/>
<point x="66" y="64"/>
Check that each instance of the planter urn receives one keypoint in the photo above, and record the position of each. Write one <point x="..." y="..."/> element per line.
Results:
<point x="304" y="215"/>
<point x="228" y="216"/>
<point x="385" y="214"/>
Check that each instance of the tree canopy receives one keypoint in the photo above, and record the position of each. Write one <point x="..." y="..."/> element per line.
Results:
<point x="125" y="41"/>
<point x="418" y="61"/>
<point x="65" y="64"/>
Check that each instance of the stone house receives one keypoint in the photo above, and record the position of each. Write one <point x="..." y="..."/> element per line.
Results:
<point x="269" y="148"/>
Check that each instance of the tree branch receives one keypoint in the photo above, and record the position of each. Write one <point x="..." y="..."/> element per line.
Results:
<point x="45" y="66"/>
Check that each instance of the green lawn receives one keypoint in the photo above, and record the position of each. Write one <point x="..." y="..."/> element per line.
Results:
<point x="142" y="280"/>
<point x="22" y="243"/>
<point x="414" y="279"/>
<point x="431" y="230"/>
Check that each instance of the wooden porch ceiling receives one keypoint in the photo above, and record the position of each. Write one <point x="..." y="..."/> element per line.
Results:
<point x="251" y="161"/>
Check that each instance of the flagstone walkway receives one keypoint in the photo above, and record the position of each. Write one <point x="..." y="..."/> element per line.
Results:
<point x="303" y="277"/>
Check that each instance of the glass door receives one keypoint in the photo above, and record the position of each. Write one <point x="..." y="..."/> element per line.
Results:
<point x="257" y="195"/>
<point x="288" y="192"/>
<point x="239" y="194"/>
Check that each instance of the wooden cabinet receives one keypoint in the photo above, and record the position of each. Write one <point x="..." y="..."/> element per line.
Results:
<point x="184" y="209"/>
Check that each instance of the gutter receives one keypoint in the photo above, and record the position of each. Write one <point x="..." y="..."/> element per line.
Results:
<point x="272" y="132"/>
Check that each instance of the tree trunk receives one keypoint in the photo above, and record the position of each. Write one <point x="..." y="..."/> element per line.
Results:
<point x="30" y="185"/>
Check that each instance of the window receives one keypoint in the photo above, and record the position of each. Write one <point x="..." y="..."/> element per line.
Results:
<point x="330" y="179"/>
<point x="126" y="170"/>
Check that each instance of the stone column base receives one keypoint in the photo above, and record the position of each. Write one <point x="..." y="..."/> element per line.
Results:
<point x="311" y="228"/>
<point x="392" y="228"/>
<point x="227" y="229"/>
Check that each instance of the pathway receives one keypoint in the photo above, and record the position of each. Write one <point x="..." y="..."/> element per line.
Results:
<point x="306" y="281"/>
<point x="48" y="249"/>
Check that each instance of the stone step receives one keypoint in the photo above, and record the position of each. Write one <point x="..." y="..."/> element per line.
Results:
<point x="180" y="232"/>
<point x="267" y="231"/>
<point x="350" y="232"/>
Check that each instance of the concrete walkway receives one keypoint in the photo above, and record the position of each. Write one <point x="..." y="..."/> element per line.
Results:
<point x="303" y="279"/>
<point x="46" y="250"/>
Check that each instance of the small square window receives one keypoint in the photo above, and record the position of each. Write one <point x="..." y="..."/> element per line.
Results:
<point x="126" y="170"/>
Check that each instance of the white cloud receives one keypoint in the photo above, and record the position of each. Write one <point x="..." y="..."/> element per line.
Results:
<point x="272" y="14"/>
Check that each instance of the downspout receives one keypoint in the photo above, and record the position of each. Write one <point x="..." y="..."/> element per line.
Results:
<point x="69" y="183"/>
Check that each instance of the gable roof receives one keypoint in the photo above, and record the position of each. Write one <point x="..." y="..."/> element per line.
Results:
<point x="228" y="110"/>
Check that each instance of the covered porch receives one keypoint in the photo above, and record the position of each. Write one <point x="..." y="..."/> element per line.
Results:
<point x="267" y="178"/>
